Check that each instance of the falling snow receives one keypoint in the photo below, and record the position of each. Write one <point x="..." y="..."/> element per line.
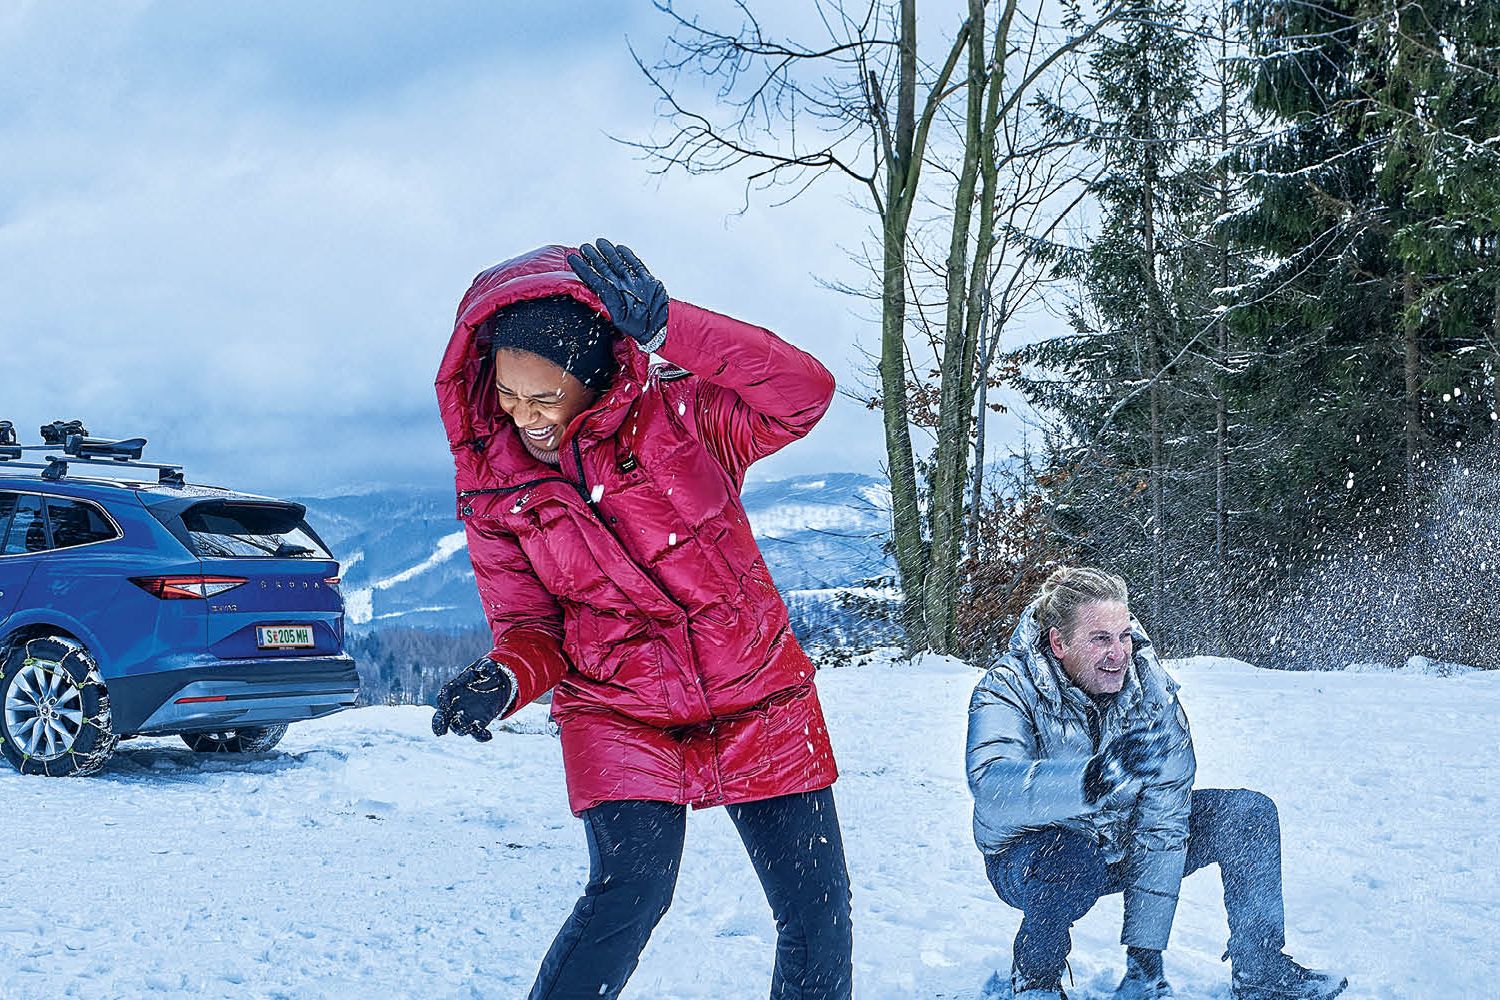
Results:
<point x="364" y="854"/>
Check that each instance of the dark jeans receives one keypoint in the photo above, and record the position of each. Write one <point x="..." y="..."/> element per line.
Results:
<point x="1055" y="876"/>
<point x="635" y="849"/>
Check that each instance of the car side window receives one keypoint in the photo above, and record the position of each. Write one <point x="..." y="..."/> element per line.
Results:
<point x="75" y="522"/>
<point x="7" y="508"/>
<point x="28" y="528"/>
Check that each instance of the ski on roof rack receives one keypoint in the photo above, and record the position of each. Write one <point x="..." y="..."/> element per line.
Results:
<point x="79" y="449"/>
<point x="10" y="448"/>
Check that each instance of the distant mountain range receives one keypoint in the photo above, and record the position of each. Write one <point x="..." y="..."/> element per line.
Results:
<point x="405" y="562"/>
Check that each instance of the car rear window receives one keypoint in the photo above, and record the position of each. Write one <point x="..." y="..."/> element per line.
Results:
<point x="221" y="528"/>
<point x="28" y="529"/>
<point x="74" y="522"/>
<point x="7" y="508"/>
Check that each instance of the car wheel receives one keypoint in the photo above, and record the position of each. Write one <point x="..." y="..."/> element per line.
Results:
<point x="54" y="709"/>
<point x="257" y="740"/>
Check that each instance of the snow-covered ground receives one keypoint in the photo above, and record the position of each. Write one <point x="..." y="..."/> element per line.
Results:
<point x="365" y="856"/>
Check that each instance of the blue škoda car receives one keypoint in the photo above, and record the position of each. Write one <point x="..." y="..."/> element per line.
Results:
<point x="133" y="603"/>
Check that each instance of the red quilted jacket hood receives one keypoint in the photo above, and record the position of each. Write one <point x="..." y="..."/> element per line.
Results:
<point x="466" y="399"/>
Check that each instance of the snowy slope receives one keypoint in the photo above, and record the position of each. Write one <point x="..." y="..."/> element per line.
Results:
<point x="402" y="556"/>
<point x="367" y="856"/>
<point x="405" y="562"/>
<point x="821" y="531"/>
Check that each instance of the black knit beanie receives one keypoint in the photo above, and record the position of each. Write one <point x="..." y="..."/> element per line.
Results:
<point x="561" y="329"/>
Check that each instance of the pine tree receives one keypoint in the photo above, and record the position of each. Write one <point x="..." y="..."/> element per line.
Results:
<point x="1319" y="386"/>
<point x="1365" y="335"/>
<point x="1441" y="107"/>
<point x="1135" y="416"/>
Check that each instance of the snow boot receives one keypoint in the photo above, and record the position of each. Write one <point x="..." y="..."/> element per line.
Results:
<point x="1143" y="982"/>
<point x="1280" y="978"/>
<point x="1024" y="988"/>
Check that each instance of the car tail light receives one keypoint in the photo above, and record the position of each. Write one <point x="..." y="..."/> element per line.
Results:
<point x="186" y="588"/>
<point x="333" y="581"/>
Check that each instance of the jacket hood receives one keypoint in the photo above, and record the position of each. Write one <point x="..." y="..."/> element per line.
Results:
<point x="469" y="409"/>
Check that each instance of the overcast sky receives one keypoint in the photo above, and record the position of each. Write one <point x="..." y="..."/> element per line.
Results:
<point x="242" y="229"/>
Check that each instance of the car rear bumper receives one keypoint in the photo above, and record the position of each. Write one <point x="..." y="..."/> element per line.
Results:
<point x="233" y="694"/>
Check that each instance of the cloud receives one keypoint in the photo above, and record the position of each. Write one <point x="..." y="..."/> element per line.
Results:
<point x="242" y="231"/>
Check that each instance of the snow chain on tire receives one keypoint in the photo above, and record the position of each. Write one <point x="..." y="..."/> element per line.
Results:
<point x="254" y="739"/>
<point x="51" y="654"/>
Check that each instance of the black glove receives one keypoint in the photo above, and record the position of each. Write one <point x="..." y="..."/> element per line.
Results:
<point x="1136" y="755"/>
<point x="636" y="302"/>
<point x="469" y="702"/>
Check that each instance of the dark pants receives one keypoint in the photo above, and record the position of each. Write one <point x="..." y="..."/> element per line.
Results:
<point x="635" y="849"/>
<point x="1055" y="876"/>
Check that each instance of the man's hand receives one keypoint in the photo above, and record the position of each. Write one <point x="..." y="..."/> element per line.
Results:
<point x="1136" y="756"/>
<point x="636" y="301"/>
<point x="469" y="702"/>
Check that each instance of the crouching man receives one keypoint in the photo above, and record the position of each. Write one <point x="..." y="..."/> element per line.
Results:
<point x="1081" y="765"/>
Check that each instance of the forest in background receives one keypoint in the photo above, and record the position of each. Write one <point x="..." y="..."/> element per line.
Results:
<point x="1272" y="231"/>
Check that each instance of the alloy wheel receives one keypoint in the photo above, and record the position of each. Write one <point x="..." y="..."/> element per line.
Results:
<point x="44" y="710"/>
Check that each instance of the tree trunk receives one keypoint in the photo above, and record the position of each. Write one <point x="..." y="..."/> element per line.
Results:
<point x="1411" y="368"/>
<point x="981" y="401"/>
<point x="1494" y="375"/>
<point x="1158" y="537"/>
<point x="903" y="170"/>
<point x="968" y="289"/>
<point x="944" y="515"/>
<point x="1221" y="350"/>
<point x="1155" y="325"/>
<point x="906" y="515"/>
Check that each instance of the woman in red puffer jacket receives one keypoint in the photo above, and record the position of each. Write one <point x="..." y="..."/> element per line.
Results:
<point x="600" y="495"/>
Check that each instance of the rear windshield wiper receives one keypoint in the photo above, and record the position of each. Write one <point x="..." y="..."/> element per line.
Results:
<point x="286" y="549"/>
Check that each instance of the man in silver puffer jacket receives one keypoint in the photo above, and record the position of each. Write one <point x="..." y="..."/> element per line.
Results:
<point x="1081" y="764"/>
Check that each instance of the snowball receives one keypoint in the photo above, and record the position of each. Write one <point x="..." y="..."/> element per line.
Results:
<point x="598" y="493"/>
<point x="672" y="538"/>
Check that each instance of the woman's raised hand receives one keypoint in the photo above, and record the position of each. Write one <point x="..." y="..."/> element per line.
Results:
<point x="635" y="300"/>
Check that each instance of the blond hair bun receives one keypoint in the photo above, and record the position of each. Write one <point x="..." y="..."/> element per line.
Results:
<point x="1071" y="587"/>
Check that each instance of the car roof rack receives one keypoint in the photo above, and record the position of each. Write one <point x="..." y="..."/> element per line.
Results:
<point x="78" y="449"/>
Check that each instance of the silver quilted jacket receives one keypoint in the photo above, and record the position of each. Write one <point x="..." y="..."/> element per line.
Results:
<point x="1031" y="731"/>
